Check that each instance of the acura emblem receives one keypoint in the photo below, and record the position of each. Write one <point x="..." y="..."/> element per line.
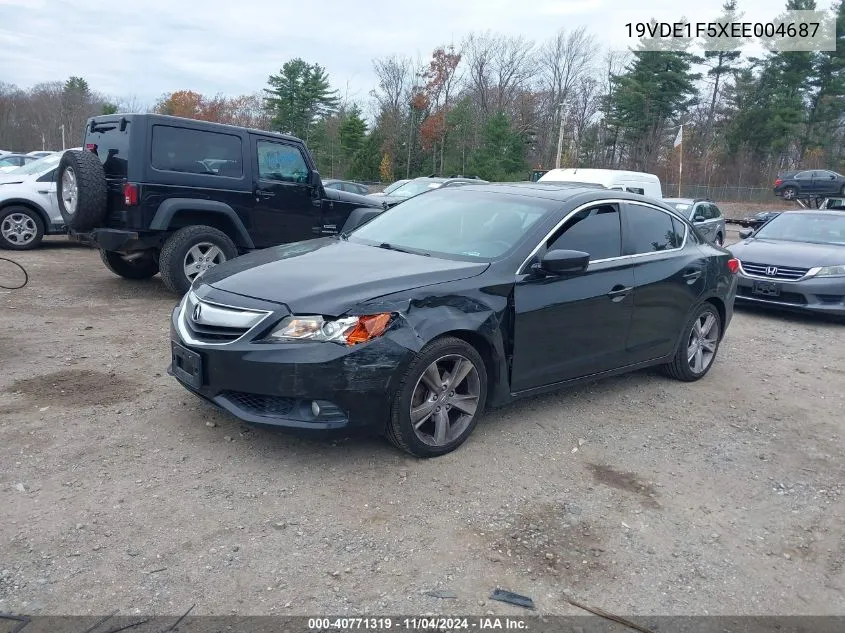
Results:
<point x="197" y="312"/>
<point x="771" y="271"/>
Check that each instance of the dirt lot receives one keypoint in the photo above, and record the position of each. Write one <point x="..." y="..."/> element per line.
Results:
<point x="639" y="495"/>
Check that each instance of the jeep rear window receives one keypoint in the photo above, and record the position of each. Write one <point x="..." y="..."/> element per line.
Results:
<point x="112" y="146"/>
<point x="196" y="152"/>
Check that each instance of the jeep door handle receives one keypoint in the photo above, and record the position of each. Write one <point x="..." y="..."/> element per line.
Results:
<point x="264" y="193"/>
<point x="618" y="293"/>
<point x="692" y="275"/>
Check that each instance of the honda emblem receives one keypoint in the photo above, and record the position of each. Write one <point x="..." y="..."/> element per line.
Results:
<point x="771" y="271"/>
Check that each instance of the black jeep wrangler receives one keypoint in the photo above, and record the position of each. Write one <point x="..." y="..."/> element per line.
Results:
<point x="164" y="194"/>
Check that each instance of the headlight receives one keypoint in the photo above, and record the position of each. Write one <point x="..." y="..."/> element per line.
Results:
<point x="346" y="330"/>
<point x="830" y="271"/>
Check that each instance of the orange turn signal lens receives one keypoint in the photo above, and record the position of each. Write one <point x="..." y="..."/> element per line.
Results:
<point x="368" y="327"/>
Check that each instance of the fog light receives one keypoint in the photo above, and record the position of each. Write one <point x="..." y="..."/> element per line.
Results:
<point x="315" y="409"/>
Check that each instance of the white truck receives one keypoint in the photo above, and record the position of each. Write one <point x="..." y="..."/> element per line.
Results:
<point x="631" y="181"/>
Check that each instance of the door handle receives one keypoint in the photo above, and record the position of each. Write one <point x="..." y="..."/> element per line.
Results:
<point x="618" y="293"/>
<point x="263" y="193"/>
<point x="692" y="275"/>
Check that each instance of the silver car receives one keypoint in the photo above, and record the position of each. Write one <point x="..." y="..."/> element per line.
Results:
<point x="796" y="261"/>
<point x="704" y="214"/>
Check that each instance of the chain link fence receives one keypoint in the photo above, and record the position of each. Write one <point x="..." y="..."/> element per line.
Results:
<point x="721" y="194"/>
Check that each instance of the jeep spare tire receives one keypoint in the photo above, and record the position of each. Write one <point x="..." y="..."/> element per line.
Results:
<point x="81" y="187"/>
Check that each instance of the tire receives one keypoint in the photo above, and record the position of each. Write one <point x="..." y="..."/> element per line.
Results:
<point x="681" y="367"/>
<point x="790" y="193"/>
<point x="142" y="267"/>
<point x="21" y="228"/>
<point x="175" y="254"/>
<point x="471" y="390"/>
<point x="720" y="239"/>
<point x="81" y="189"/>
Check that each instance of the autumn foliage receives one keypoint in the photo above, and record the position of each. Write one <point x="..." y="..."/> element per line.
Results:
<point x="245" y="110"/>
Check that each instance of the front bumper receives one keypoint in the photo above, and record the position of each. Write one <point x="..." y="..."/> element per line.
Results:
<point x="822" y="295"/>
<point x="276" y="383"/>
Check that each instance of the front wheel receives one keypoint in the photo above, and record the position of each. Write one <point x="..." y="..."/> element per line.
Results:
<point x="699" y="344"/>
<point x="191" y="251"/>
<point x="21" y="228"/>
<point x="439" y="399"/>
<point x="135" y="266"/>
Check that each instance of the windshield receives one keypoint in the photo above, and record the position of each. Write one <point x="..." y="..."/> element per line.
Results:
<point x="37" y="166"/>
<point x="391" y="188"/>
<point x="805" y="227"/>
<point x="413" y="188"/>
<point x="455" y="222"/>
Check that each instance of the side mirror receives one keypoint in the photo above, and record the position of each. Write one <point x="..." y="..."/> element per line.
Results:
<point x="314" y="179"/>
<point x="746" y="233"/>
<point x="698" y="218"/>
<point x="560" y="262"/>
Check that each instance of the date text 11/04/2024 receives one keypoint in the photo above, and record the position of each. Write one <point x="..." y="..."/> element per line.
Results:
<point x="492" y="623"/>
<point x="740" y="30"/>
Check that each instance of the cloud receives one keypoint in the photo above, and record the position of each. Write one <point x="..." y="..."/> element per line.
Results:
<point x="220" y="46"/>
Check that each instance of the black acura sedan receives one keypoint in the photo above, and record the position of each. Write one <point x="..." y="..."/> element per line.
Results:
<point x="452" y="302"/>
<point x="794" y="261"/>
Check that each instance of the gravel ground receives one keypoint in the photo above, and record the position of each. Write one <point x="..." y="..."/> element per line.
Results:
<point x="638" y="495"/>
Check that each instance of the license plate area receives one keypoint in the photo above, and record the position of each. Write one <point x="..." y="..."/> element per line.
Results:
<point x="186" y="365"/>
<point x="766" y="289"/>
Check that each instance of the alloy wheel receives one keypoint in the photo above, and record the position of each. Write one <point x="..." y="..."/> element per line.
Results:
<point x="702" y="343"/>
<point x="70" y="190"/>
<point x="445" y="400"/>
<point x="201" y="257"/>
<point x="18" y="229"/>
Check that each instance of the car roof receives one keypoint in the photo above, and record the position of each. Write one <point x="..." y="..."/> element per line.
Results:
<point x="184" y="122"/>
<point x="563" y="192"/>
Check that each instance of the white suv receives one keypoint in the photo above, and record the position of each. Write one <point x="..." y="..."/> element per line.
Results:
<point x="29" y="208"/>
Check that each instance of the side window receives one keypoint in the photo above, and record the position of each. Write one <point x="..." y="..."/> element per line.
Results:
<point x="714" y="212"/>
<point x="650" y="230"/>
<point x="803" y="175"/>
<point x="196" y="152"/>
<point x="595" y="231"/>
<point x="280" y="162"/>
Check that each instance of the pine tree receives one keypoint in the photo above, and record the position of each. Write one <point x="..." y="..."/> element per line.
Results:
<point x="298" y="96"/>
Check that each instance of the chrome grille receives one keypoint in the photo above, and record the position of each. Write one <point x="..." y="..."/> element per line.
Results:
<point x="213" y="323"/>
<point x="773" y="271"/>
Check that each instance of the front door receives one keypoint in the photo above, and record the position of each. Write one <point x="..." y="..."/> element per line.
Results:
<point x="287" y="209"/>
<point x="568" y="327"/>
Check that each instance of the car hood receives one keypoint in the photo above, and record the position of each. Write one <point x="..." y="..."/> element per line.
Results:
<point x="354" y="198"/>
<point x="330" y="276"/>
<point x="783" y="253"/>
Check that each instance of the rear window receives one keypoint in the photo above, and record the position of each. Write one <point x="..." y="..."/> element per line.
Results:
<point x="111" y="146"/>
<point x="196" y="152"/>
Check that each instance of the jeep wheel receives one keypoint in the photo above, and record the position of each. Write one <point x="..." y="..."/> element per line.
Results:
<point x="136" y="266"/>
<point x="191" y="251"/>
<point x="81" y="188"/>
<point x="20" y="228"/>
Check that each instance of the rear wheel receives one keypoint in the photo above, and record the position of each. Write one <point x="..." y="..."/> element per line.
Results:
<point x="135" y="266"/>
<point x="191" y="251"/>
<point x="21" y="228"/>
<point x="699" y="344"/>
<point x="439" y="400"/>
<point x="790" y="193"/>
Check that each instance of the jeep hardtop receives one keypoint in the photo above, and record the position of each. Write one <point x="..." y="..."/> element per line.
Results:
<point x="164" y="194"/>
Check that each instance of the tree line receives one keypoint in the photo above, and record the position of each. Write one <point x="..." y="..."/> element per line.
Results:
<point x="497" y="105"/>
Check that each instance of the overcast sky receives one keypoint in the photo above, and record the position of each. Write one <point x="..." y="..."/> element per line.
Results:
<point x="151" y="47"/>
